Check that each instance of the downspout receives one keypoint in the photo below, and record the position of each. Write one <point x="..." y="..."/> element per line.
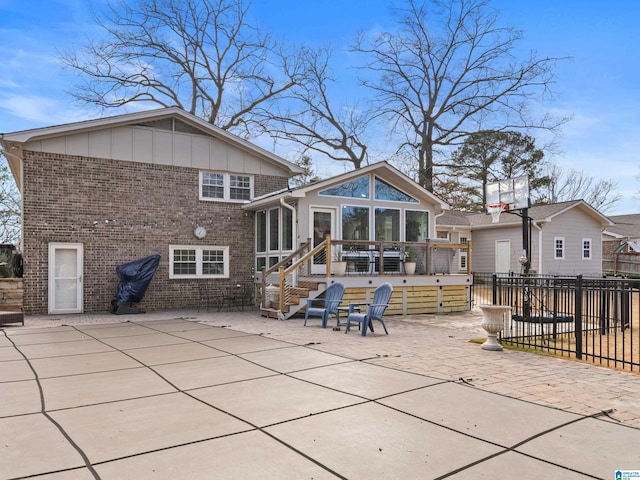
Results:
<point x="294" y="218"/>
<point x="294" y="222"/>
<point x="435" y="233"/>
<point x="435" y="218"/>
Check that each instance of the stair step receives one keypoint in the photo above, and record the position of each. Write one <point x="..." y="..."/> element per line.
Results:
<point x="298" y="291"/>
<point x="269" y="312"/>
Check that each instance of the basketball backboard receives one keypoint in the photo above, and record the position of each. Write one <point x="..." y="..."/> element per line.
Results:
<point x="513" y="192"/>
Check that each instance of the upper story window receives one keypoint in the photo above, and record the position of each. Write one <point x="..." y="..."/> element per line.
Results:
<point x="225" y="187"/>
<point x="188" y="261"/>
<point x="385" y="191"/>
<point x="586" y="249"/>
<point x="358" y="188"/>
<point x="464" y="240"/>
<point x="558" y="250"/>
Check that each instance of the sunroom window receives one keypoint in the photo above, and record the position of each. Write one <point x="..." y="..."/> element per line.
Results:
<point x="416" y="226"/>
<point x="358" y="188"/>
<point x="387" y="224"/>
<point x="355" y="223"/>
<point x="385" y="191"/>
<point x="274" y="236"/>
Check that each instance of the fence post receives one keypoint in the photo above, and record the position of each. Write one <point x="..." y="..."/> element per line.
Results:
<point x="494" y="289"/>
<point x="578" y="319"/>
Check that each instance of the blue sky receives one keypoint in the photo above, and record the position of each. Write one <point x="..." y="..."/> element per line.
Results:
<point x="598" y="87"/>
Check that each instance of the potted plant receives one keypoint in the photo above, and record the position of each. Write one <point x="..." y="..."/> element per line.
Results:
<point x="410" y="262"/>
<point x="339" y="266"/>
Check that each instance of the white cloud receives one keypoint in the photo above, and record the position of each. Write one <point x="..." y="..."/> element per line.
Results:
<point x="42" y="110"/>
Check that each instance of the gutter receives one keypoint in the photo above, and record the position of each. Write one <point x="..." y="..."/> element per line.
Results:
<point x="435" y="221"/>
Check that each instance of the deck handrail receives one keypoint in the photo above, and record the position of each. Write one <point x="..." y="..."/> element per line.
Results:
<point x="292" y="274"/>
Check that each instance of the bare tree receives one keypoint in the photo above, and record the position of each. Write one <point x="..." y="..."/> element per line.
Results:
<point x="576" y="185"/>
<point x="10" y="205"/>
<point x="312" y="116"/>
<point x="200" y="55"/>
<point x="451" y="70"/>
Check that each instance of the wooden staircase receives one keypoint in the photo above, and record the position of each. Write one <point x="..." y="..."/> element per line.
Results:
<point x="288" y="285"/>
<point x="294" y="302"/>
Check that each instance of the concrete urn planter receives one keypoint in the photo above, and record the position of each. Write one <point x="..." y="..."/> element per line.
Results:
<point x="493" y="323"/>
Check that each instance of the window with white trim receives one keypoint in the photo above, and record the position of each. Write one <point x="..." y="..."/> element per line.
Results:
<point x="226" y="187"/>
<point x="558" y="248"/>
<point x="586" y="249"/>
<point x="187" y="261"/>
<point x="463" y="260"/>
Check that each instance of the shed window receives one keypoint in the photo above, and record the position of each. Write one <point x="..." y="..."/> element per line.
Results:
<point x="558" y="251"/>
<point x="586" y="249"/>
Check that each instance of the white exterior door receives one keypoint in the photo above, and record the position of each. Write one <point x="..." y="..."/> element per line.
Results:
<point x="323" y="223"/>
<point x="65" y="277"/>
<point x="503" y="256"/>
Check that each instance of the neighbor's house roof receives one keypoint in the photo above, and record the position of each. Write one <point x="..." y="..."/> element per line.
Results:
<point x="624" y="227"/>
<point x="12" y="143"/>
<point x="539" y="214"/>
<point x="454" y="218"/>
<point x="382" y="169"/>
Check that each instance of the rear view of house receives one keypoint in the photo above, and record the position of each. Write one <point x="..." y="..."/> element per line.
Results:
<point x="101" y="193"/>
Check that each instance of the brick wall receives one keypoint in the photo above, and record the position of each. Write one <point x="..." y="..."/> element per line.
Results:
<point x="122" y="211"/>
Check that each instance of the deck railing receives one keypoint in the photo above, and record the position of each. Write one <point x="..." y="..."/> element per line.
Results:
<point x="290" y="277"/>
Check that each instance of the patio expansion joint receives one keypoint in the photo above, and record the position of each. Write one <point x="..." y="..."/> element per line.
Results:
<point x="506" y="449"/>
<point x="44" y="412"/>
<point x="253" y="426"/>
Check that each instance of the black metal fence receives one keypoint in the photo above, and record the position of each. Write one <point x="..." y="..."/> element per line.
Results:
<point x="592" y="319"/>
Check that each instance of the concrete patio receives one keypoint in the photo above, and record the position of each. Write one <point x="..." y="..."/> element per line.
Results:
<point x="197" y="395"/>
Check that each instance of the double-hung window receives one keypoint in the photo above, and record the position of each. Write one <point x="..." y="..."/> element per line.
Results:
<point x="558" y="248"/>
<point x="227" y="187"/>
<point x="586" y="249"/>
<point x="188" y="261"/>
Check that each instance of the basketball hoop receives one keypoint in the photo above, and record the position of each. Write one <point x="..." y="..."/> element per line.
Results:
<point x="495" y="209"/>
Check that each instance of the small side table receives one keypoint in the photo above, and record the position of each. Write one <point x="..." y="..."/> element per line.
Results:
<point x="346" y="311"/>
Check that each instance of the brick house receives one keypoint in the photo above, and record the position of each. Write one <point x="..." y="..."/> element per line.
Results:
<point x="100" y="193"/>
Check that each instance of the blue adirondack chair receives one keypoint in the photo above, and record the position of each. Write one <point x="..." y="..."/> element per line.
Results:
<point x="375" y="310"/>
<point x="330" y="303"/>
